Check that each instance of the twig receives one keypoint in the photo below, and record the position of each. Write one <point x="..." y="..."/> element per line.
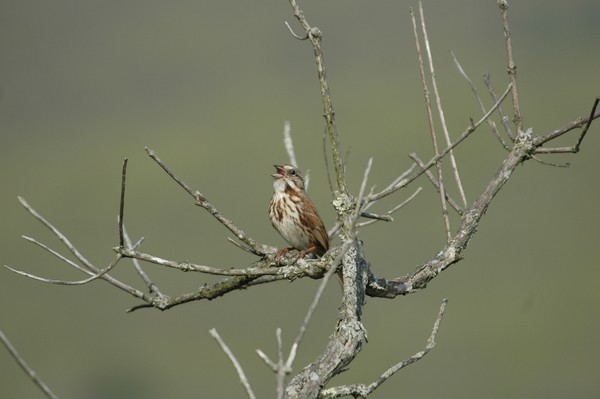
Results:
<point x="359" y="201"/>
<point x="25" y="367"/>
<point x="394" y="209"/>
<point x="491" y="124"/>
<point x="294" y="33"/>
<point x="64" y="282"/>
<point x="362" y="390"/>
<point x="430" y="113"/>
<point x="193" y="267"/>
<point x="272" y="365"/>
<point x="438" y="100"/>
<point x="58" y="255"/>
<point x="88" y="268"/>
<point x="213" y="332"/>
<point x="289" y="144"/>
<point x="315" y="269"/>
<point x="77" y="282"/>
<point x="122" y="201"/>
<point x="282" y="369"/>
<point x="326" y="159"/>
<point x="289" y="147"/>
<point x="58" y="234"/>
<point x="201" y="201"/>
<point x="559" y="132"/>
<point x="242" y="246"/>
<point x="402" y="176"/>
<point x="152" y="287"/>
<point x="374" y="216"/>
<point x="512" y="68"/>
<point x="314" y="35"/>
<point x="407" y="180"/>
<point x="433" y="181"/>
<point x="487" y="80"/>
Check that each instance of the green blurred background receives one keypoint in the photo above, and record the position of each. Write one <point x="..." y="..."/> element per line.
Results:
<point x="208" y="85"/>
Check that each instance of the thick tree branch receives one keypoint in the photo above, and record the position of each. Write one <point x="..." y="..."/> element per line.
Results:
<point x="347" y="338"/>
<point x="525" y="146"/>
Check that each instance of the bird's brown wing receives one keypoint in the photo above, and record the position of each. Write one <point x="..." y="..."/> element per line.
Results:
<point x="313" y="221"/>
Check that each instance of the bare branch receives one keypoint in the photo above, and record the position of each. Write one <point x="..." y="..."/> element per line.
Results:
<point x="25" y="367"/>
<point x="369" y="215"/>
<point x="289" y="144"/>
<point x="213" y="332"/>
<point x="491" y="124"/>
<point x="567" y="128"/>
<point x="193" y="267"/>
<point x="394" y="209"/>
<point x="88" y="267"/>
<point x="59" y="256"/>
<point x="512" y="68"/>
<point x="359" y="205"/>
<point x="407" y="180"/>
<point x="201" y="201"/>
<point x="362" y="390"/>
<point x="122" y="202"/>
<point x="452" y="252"/>
<point x="58" y="234"/>
<point x="272" y="365"/>
<point x="438" y="100"/>
<point x="435" y="183"/>
<point x="314" y="35"/>
<point x="436" y="150"/>
<point x="294" y="33"/>
<point x="487" y="79"/>
<point x="152" y="287"/>
<point x="64" y="282"/>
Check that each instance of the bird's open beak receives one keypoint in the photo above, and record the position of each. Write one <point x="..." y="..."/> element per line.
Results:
<point x="280" y="172"/>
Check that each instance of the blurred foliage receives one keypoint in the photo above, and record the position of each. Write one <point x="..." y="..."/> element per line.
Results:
<point x="208" y="86"/>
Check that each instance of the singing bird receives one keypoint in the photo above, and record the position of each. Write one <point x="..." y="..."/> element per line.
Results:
<point x="294" y="215"/>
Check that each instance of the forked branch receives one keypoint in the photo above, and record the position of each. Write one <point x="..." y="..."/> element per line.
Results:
<point x="362" y="390"/>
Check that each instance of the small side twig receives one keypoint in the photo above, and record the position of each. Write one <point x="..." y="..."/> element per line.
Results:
<point x="359" y="200"/>
<point x="394" y="209"/>
<point x="435" y="183"/>
<point x="294" y="33"/>
<point x="213" y="332"/>
<point x="26" y="368"/>
<point x="122" y="201"/>
<point x="152" y="287"/>
<point x="487" y="80"/>
<point x="491" y="124"/>
<point x="559" y="132"/>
